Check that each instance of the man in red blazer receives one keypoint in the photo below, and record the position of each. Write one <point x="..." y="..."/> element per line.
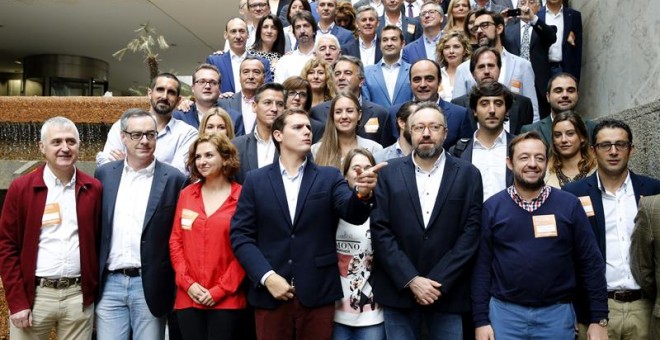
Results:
<point x="48" y="241"/>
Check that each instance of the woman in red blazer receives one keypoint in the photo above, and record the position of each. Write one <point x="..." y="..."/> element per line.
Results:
<point x="210" y="300"/>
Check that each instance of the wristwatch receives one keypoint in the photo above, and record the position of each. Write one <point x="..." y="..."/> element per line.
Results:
<point x="603" y="322"/>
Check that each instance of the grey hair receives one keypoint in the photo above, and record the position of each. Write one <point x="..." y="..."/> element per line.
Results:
<point x="61" y="122"/>
<point x="353" y="60"/>
<point x="363" y="9"/>
<point x="437" y="6"/>
<point x="326" y="36"/>
<point x="134" y="113"/>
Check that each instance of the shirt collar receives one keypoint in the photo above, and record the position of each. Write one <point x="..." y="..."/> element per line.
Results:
<point x="332" y="25"/>
<point x="51" y="180"/>
<point x="301" y="169"/>
<point x="561" y="10"/>
<point x="436" y="165"/>
<point x="627" y="184"/>
<point x="259" y="139"/>
<point x="434" y="40"/>
<point x="532" y="205"/>
<point x="373" y="42"/>
<point x="396" y="63"/>
<point x="235" y="56"/>
<point x="148" y="171"/>
<point x="501" y="139"/>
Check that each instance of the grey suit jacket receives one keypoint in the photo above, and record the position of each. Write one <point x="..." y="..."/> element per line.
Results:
<point x="544" y="127"/>
<point x="645" y="253"/>
<point x="247" y="152"/>
<point x="156" y="270"/>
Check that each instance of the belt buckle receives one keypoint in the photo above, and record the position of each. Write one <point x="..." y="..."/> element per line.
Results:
<point x="620" y="295"/>
<point x="62" y="283"/>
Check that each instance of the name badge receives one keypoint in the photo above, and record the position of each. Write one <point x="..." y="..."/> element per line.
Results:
<point x="411" y="29"/>
<point x="544" y="226"/>
<point x="516" y="86"/>
<point x="371" y="126"/>
<point x="51" y="216"/>
<point x="187" y="219"/>
<point x="586" y="204"/>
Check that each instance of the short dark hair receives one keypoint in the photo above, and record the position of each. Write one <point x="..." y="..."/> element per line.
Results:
<point x="265" y="87"/>
<point x="404" y="112"/>
<point x="280" y="122"/>
<point x="166" y="75"/>
<point x="234" y="18"/>
<point x="305" y="5"/>
<point x="307" y="16"/>
<point x="481" y="50"/>
<point x="435" y="63"/>
<point x="392" y="28"/>
<point x="353" y="60"/>
<point x="429" y="105"/>
<point x="225" y="148"/>
<point x="205" y="66"/>
<point x="498" y="19"/>
<point x="134" y="113"/>
<point x="525" y="136"/>
<point x="561" y="75"/>
<point x="250" y="57"/>
<point x="490" y="89"/>
<point x="611" y="124"/>
<point x="297" y="82"/>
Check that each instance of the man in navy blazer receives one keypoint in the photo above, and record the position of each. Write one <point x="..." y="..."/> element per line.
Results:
<point x="283" y="234"/>
<point x="376" y="87"/>
<point x="206" y="90"/>
<point x="368" y="37"/>
<point x="326" y="22"/>
<point x="566" y="52"/>
<point x="424" y="230"/>
<point x="610" y="198"/>
<point x="136" y="283"/>
<point x="228" y="62"/>
<point x="393" y="15"/>
<point x="424" y="46"/>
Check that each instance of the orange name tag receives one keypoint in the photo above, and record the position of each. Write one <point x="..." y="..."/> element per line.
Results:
<point x="410" y="28"/>
<point x="586" y="204"/>
<point x="187" y="219"/>
<point x="371" y="126"/>
<point x="52" y="216"/>
<point x="544" y="226"/>
<point x="515" y="86"/>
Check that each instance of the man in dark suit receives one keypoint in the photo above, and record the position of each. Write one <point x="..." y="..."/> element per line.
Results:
<point x="239" y="105"/>
<point x="563" y="95"/>
<point x="532" y="42"/>
<point x="136" y="285"/>
<point x="386" y="83"/>
<point x="283" y="234"/>
<point x="424" y="229"/>
<point x="610" y="198"/>
<point x="425" y="78"/>
<point x="228" y="62"/>
<point x="394" y="15"/>
<point x="257" y="149"/>
<point x="326" y="23"/>
<point x="348" y="77"/>
<point x="485" y="65"/>
<point x="206" y="90"/>
<point x="367" y="46"/>
<point x="566" y="53"/>
<point x="431" y="18"/>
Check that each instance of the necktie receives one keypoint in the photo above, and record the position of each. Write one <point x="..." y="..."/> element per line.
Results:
<point x="524" y="46"/>
<point x="410" y="12"/>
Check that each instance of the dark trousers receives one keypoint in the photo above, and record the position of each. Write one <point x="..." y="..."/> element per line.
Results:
<point x="210" y="324"/>
<point x="292" y="320"/>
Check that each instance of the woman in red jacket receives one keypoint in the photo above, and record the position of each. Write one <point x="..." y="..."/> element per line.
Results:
<point x="209" y="300"/>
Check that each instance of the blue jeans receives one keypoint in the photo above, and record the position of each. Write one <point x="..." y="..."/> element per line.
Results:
<point x="344" y="332"/>
<point x="123" y="308"/>
<point x="513" y="321"/>
<point x="406" y="323"/>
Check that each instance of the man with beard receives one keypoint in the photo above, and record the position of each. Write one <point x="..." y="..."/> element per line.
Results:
<point x="536" y="247"/>
<point x="517" y="73"/>
<point x="424" y="229"/>
<point x="304" y="28"/>
<point x="367" y="45"/>
<point x="174" y="136"/>
<point x="403" y="145"/>
<point x="610" y="197"/>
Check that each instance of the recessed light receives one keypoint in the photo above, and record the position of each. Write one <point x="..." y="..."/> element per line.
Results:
<point x="18" y="62"/>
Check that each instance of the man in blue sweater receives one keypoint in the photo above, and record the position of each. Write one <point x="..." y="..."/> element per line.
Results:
<point x="536" y="245"/>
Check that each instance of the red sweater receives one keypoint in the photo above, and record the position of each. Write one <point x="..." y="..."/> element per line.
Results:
<point x="201" y="251"/>
<point x="20" y="228"/>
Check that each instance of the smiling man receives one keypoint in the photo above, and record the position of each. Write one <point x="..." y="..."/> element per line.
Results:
<point x="367" y="46"/>
<point x="431" y="17"/>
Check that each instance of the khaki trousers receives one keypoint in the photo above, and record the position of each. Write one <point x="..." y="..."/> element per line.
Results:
<point x="627" y="320"/>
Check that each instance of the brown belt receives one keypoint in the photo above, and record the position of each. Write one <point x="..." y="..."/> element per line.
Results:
<point x="61" y="283"/>
<point x="625" y="295"/>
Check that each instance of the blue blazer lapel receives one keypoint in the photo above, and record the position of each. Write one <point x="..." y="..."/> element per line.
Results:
<point x="420" y="49"/>
<point x="157" y="188"/>
<point x="309" y="176"/>
<point x="409" y="180"/>
<point x="278" y="189"/>
<point x="380" y="82"/>
<point x="400" y="81"/>
<point x="599" y="214"/>
<point x="111" y="186"/>
<point x="448" y="179"/>
<point x="226" y="58"/>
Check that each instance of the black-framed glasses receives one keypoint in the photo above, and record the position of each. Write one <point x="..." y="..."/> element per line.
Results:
<point x="259" y="5"/>
<point x="419" y="128"/>
<point x="205" y="82"/>
<point x="619" y="146"/>
<point x="301" y="94"/>
<point x="137" y="135"/>
<point x="484" y="25"/>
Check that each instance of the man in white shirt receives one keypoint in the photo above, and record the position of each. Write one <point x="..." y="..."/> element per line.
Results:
<point x="304" y="28"/>
<point x="239" y="105"/>
<point x="48" y="235"/>
<point x="366" y="47"/>
<point x="327" y="11"/>
<point x="136" y="285"/>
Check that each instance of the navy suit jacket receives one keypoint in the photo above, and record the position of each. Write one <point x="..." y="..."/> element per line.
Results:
<point x="353" y="49"/>
<point x="156" y="271"/>
<point x="411" y="27"/>
<point x="344" y="36"/>
<point x="189" y="117"/>
<point x="571" y="54"/>
<point x="521" y="112"/>
<point x="467" y="155"/>
<point x="247" y="153"/>
<point x="458" y="122"/>
<point x="370" y="111"/>
<point x="642" y="186"/>
<point x="414" y="51"/>
<point x="375" y="90"/>
<point x="264" y="237"/>
<point x="222" y="61"/>
<point x="234" y="107"/>
<point x="442" y="251"/>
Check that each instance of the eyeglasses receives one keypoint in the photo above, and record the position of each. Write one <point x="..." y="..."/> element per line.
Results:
<point x="258" y="5"/>
<point x="137" y="135"/>
<point x="301" y="94"/>
<point x="619" y="146"/>
<point x="432" y="127"/>
<point x="484" y="25"/>
<point x="205" y="82"/>
<point x="429" y="12"/>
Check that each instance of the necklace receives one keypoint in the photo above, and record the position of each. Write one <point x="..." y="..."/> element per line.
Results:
<point x="563" y="179"/>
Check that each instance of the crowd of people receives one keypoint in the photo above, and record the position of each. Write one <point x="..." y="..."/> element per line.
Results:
<point x="347" y="170"/>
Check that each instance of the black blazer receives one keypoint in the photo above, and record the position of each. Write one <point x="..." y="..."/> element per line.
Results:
<point x="157" y="272"/>
<point x="520" y="113"/>
<point x="404" y="248"/>
<point x="353" y="49"/>
<point x="411" y="27"/>
<point x="467" y="155"/>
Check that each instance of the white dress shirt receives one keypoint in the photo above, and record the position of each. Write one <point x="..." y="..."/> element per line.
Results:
<point x="291" y="64"/>
<point x="619" y="209"/>
<point x="265" y="150"/>
<point x="59" y="248"/>
<point x="379" y="7"/>
<point x="249" y="116"/>
<point x="491" y="162"/>
<point x="428" y="186"/>
<point x="557" y="20"/>
<point x="236" y="61"/>
<point x="128" y="218"/>
<point x="367" y="54"/>
<point x="416" y="7"/>
<point x="391" y="73"/>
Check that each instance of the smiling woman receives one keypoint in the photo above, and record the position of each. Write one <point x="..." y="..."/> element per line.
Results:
<point x="269" y="40"/>
<point x="571" y="157"/>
